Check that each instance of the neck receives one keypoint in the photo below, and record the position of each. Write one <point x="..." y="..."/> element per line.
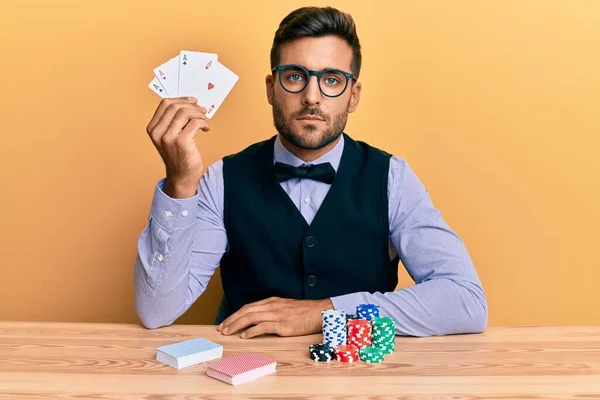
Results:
<point x="307" y="155"/>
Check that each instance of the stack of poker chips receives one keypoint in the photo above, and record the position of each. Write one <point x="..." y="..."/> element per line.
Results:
<point x="359" y="333"/>
<point x="367" y="311"/>
<point x="384" y="334"/>
<point x="347" y="338"/>
<point x="371" y="355"/>
<point x="321" y="352"/>
<point x="334" y="327"/>
<point x="347" y="353"/>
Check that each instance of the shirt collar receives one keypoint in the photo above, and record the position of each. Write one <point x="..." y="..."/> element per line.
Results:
<point x="283" y="155"/>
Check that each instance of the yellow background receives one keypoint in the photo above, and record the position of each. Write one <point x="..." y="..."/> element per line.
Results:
<point x="494" y="104"/>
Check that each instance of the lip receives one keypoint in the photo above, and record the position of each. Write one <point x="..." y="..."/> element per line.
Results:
<point x="310" y="119"/>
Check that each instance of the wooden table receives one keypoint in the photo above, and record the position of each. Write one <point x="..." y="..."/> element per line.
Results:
<point x="116" y="361"/>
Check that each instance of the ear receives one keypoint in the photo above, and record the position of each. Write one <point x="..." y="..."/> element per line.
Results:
<point x="269" y="80"/>
<point x="354" y="97"/>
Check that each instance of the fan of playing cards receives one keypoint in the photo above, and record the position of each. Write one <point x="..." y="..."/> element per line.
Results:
<point x="196" y="74"/>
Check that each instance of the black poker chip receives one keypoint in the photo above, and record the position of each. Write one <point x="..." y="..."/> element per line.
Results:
<point x="321" y="352"/>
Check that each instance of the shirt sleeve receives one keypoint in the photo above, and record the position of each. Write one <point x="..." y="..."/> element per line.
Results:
<point x="179" y="250"/>
<point x="447" y="297"/>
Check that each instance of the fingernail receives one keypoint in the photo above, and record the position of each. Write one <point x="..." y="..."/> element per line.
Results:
<point x="192" y="99"/>
<point x="203" y="109"/>
<point x="225" y="330"/>
<point x="243" y="335"/>
<point x="220" y="327"/>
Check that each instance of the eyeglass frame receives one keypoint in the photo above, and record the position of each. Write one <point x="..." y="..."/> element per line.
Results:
<point x="318" y="74"/>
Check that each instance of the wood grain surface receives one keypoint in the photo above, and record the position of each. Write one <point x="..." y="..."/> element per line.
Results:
<point x="117" y="361"/>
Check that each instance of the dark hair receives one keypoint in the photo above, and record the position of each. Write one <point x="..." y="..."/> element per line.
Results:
<point x="317" y="22"/>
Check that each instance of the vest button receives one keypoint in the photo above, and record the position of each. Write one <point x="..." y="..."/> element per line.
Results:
<point x="310" y="241"/>
<point x="312" y="280"/>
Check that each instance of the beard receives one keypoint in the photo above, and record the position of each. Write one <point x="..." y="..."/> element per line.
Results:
<point x="310" y="137"/>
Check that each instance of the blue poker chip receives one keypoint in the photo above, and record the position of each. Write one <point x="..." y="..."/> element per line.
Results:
<point x="367" y="311"/>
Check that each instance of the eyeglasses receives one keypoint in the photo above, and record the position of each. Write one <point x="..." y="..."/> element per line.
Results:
<point x="294" y="78"/>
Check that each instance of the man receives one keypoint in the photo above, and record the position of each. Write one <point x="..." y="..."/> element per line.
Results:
<point x="305" y="221"/>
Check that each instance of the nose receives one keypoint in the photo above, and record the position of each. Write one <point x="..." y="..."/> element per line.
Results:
<point x="311" y="95"/>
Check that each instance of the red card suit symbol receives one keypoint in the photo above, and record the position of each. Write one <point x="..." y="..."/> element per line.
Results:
<point x="210" y="109"/>
<point x="208" y="65"/>
<point x="162" y="74"/>
<point x="210" y="86"/>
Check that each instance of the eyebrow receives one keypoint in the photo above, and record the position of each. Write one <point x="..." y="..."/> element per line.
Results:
<point x="322" y="69"/>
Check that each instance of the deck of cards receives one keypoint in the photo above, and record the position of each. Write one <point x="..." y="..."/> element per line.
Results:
<point x="241" y="369"/>
<point x="189" y="352"/>
<point x="197" y="74"/>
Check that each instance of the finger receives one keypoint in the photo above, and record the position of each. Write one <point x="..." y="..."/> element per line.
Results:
<point x="262" y="305"/>
<point x="162" y="107"/>
<point x="261" y="329"/>
<point x="233" y="317"/>
<point x="159" y="130"/>
<point x="192" y="127"/>
<point x="182" y="116"/>
<point x="251" y="318"/>
<point x="241" y="313"/>
<point x="267" y="300"/>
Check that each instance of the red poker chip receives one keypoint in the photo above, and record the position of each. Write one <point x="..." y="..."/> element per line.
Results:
<point x="360" y="333"/>
<point x="346" y="348"/>
<point x="345" y="353"/>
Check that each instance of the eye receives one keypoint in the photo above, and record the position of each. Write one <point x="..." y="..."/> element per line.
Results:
<point x="332" y="78"/>
<point x="294" y="75"/>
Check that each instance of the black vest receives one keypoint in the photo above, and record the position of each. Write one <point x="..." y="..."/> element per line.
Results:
<point x="272" y="251"/>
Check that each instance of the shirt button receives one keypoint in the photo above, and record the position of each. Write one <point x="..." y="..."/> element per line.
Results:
<point x="310" y="241"/>
<point x="160" y="257"/>
<point x="307" y="200"/>
<point x="168" y="213"/>
<point x="184" y="213"/>
<point x="312" y="280"/>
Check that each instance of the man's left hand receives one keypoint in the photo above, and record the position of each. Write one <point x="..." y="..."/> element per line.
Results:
<point x="283" y="317"/>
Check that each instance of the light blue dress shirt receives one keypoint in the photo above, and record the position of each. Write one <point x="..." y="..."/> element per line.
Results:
<point x="184" y="240"/>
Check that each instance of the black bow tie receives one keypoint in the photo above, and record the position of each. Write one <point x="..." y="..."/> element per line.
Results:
<point x="320" y="172"/>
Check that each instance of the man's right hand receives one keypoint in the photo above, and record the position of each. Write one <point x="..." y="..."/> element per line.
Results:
<point x="173" y="129"/>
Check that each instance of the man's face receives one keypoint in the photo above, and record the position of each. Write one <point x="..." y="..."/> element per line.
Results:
<point x="310" y="120"/>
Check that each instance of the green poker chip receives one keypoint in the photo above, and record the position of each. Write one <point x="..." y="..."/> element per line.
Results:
<point x="371" y="355"/>
<point x="384" y="334"/>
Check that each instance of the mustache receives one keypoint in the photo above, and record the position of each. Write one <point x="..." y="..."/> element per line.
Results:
<point x="311" y="112"/>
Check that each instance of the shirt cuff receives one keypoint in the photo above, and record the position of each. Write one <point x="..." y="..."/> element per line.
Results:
<point x="348" y="302"/>
<point x="173" y="214"/>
